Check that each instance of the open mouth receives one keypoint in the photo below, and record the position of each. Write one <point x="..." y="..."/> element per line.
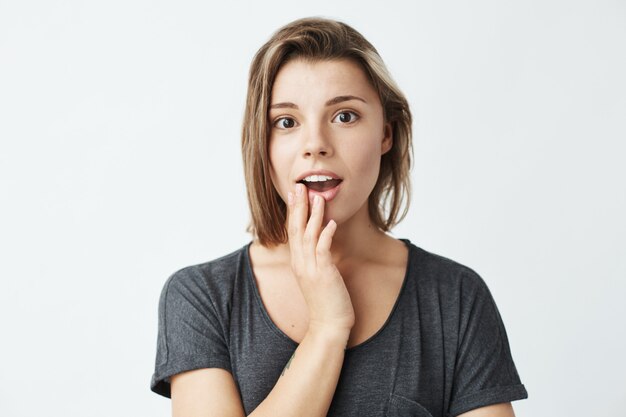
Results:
<point x="321" y="186"/>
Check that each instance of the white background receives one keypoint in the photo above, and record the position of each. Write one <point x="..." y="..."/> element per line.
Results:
<point x="120" y="163"/>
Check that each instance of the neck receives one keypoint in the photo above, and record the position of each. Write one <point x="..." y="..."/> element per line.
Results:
<point x="356" y="241"/>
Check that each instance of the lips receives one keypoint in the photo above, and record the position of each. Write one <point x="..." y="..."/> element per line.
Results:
<point x="321" y="185"/>
<point x="326" y="194"/>
<point x="318" y="172"/>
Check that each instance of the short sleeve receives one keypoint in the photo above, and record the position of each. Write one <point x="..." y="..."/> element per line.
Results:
<point x="190" y="334"/>
<point x="485" y="373"/>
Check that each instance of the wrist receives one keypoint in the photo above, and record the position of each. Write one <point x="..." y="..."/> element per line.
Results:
<point x="330" y="335"/>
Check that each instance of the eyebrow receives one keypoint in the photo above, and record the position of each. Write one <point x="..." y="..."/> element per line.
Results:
<point x="332" y="101"/>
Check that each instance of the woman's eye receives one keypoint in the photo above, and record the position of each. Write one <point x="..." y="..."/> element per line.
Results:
<point x="285" y="123"/>
<point x="346" y="117"/>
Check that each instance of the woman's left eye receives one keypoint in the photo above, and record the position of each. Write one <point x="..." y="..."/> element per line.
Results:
<point x="346" y="117"/>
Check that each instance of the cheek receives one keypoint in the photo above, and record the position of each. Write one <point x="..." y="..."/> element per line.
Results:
<point x="279" y="161"/>
<point x="366" y="161"/>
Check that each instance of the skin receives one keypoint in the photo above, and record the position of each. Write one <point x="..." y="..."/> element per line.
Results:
<point x="331" y="245"/>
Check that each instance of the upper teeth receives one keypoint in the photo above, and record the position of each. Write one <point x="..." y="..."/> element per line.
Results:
<point x="317" y="178"/>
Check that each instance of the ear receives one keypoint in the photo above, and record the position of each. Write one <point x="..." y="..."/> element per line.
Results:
<point x="387" y="142"/>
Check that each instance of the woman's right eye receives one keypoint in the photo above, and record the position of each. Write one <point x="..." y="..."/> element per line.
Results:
<point x="285" y="123"/>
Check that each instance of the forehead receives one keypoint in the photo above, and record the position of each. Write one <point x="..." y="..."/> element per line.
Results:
<point x="310" y="81"/>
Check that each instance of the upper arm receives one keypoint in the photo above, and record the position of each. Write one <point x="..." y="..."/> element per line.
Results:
<point x="495" y="410"/>
<point x="205" y="392"/>
<point x="191" y="333"/>
<point x="484" y="370"/>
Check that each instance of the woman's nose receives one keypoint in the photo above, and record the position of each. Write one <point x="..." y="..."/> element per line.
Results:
<point x="317" y="142"/>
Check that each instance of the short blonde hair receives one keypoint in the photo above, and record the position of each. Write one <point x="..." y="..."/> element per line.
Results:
<point x="319" y="39"/>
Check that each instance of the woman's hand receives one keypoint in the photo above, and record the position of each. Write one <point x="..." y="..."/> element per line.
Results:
<point x="326" y="295"/>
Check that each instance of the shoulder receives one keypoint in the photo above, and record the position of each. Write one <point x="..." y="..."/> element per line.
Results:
<point x="447" y="285"/>
<point x="216" y="270"/>
<point x="434" y="269"/>
<point x="456" y="294"/>
<point x="212" y="280"/>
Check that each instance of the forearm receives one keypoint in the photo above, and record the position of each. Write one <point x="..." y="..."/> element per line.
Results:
<point x="308" y="382"/>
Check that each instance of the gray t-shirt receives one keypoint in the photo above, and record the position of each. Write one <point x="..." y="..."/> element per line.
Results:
<point x="442" y="351"/>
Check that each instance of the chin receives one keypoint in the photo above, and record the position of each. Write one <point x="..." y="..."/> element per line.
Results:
<point x="339" y="218"/>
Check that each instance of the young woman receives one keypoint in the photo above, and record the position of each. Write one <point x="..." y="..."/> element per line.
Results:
<point x="324" y="313"/>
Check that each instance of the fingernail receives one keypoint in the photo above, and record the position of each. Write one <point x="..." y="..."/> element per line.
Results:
<point x="317" y="200"/>
<point x="299" y="188"/>
<point x="290" y="198"/>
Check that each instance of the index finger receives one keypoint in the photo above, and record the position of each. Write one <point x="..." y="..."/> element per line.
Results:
<point x="296" y="220"/>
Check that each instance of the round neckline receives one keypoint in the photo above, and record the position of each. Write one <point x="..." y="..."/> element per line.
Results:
<point x="283" y="335"/>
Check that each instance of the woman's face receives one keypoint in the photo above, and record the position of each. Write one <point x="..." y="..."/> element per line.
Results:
<point x="326" y="115"/>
